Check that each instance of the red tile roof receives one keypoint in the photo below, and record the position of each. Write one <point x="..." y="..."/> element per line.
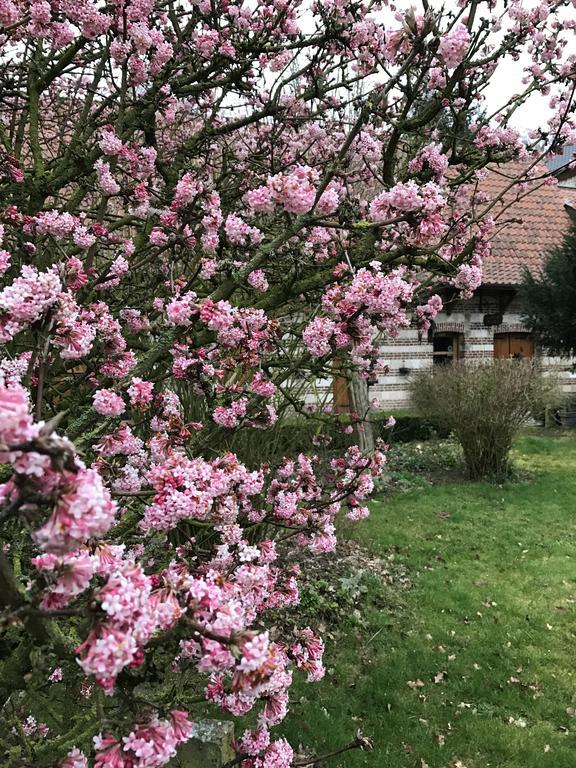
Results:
<point x="529" y="223"/>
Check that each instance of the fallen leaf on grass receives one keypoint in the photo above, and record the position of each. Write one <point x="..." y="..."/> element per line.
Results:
<point x="519" y="722"/>
<point x="439" y="677"/>
<point x="415" y="684"/>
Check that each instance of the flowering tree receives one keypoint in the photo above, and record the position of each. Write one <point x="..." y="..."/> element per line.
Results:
<point x="203" y="202"/>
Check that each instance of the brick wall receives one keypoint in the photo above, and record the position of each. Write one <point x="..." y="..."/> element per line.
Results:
<point x="412" y="350"/>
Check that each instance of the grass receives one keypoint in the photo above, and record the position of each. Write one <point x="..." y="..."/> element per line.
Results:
<point x="473" y="665"/>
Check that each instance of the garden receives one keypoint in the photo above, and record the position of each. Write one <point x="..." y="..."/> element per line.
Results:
<point x="220" y="546"/>
<point x="450" y="623"/>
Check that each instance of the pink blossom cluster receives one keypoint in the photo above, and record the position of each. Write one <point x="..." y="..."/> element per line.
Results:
<point x="431" y="156"/>
<point x="425" y="313"/>
<point x="62" y="225"/>
<point x="453" y="45"/>
<point x="128" y="169"/>
<point x="229" y="417"/>
<point x="27" y="299"/>
<point x="296" y="192"/>
<point x="239" y="233"/>
<point x="468" y="279"/>
<point x="500" y="138"/>
<point x="83" y="510"/>
<point x="353" y="314"/>
<point x="141" y="393"/>
<point x="257" y="280"/>
<point x="194" y="489"/>
<point x="151" y="744"/>
<point x="81" y="507"/>
<point x="68" y="575"/>
<point x="133" y="612"/>
<point x="32" y="728"/>
<point x="297" y="499"/>
<point x="108" y="403"/>
<point x="187" y="190"/>
<point x="123" y="459"/>
<point x="407" y="197"/>
<point x="211" y="222"/>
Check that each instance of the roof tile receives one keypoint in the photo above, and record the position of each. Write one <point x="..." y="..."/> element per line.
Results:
<point x="529" y="223"/>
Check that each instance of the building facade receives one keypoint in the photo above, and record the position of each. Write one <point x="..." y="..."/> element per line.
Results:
<point x="477" y="329"/>
<point x="490" y="324"/>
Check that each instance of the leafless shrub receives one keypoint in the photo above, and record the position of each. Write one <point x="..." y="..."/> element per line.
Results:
<point x="484" y="405"/>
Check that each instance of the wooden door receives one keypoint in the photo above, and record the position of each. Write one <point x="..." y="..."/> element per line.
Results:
<point x="521" y="346"/>
<point x="518" y="345"/>
<point x="502" y="345"/>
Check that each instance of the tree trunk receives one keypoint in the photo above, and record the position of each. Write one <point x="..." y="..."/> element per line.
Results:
<point x="360" y="405"/>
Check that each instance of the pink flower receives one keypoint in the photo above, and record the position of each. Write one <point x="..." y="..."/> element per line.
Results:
<point x="230" y="417"/>
<point x="82" y="511"/>
<point x="278" y="755"/>
<point x="56" y="675"/>
<point x="71" y="575"/>
<point x="181" y="309"/>
<point x="27" y="299"/>
<point x="158" y="237"/>
<point x="182" y="728"/>
<point x="257" y="279"/>
<point x="108" y="403"/>
<point x="468" y="279"/>
<point x="141" y="393"/>
<point x="186" y="190"/>
<point x="260" y="200"/>
<point x="255" y="652"/>
<point x="107" y="182"/>
<point x="8" y="13"/>
<point x="74" y="759"/>
<point x="425" y="313"/>
<point x="16" y="424"/>
<point x="109" y="143"/>
<point x="453" y="45"/>
<point x="4" y="261"/>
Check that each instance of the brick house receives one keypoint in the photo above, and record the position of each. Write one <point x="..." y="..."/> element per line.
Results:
<point x="490" y="323"/>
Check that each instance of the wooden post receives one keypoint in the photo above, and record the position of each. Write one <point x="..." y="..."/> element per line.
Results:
<point x="209" y="747"/>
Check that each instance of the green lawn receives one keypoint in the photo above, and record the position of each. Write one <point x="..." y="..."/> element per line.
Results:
<point x="488" y="626"/>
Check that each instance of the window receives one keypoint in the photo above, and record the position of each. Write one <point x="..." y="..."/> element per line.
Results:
<point x="447" y="347"/>
<point x="516" y="345"/>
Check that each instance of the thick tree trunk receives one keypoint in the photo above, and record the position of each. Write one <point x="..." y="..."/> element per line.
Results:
<point x="360" y="404"/>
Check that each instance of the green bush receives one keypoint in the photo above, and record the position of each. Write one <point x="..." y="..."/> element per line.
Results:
<point x="484" y="405"/>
